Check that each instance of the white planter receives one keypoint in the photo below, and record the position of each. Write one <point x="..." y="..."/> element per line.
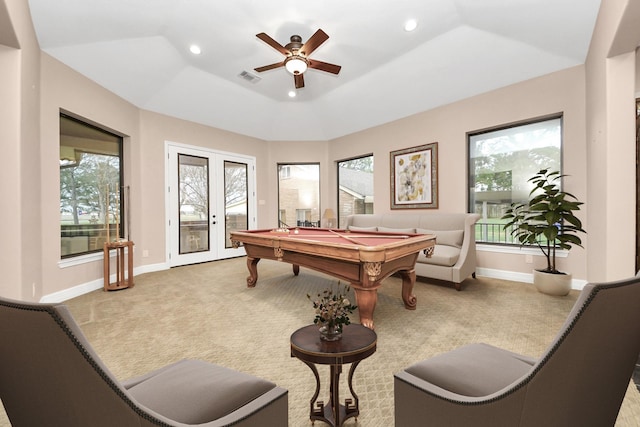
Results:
<point x="552" y="284"/>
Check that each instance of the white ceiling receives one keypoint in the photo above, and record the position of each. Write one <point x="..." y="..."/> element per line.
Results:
<point x="139" y="49"/>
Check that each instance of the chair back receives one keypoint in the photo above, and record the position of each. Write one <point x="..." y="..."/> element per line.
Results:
<point x="583" y="376"/>
<point x="49" y="372"/>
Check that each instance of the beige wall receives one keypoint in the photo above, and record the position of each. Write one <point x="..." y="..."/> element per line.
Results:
<point x="64" y="89"/>
<point x="598" y="154"/>
<point x="20" y="260"/>
<point x="148" y="228"/>
<point x="637" y="75"/>
<point x="611" y="140"/>
<point x="10" y="132"/>
<point x="558" y="92"/>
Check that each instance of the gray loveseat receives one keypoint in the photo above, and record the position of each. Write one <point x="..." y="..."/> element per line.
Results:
<point x="454" y="257"/>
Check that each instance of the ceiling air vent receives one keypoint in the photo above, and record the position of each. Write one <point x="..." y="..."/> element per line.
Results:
<point x="252" y="78"/>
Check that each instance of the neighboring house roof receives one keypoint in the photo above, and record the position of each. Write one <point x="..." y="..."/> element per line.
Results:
<point x="357" y="183"/>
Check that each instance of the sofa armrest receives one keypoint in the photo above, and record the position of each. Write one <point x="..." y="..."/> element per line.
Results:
<point x="466" y="264"/>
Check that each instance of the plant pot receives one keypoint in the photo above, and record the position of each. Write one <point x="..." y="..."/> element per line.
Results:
<point x="552" y="284"/>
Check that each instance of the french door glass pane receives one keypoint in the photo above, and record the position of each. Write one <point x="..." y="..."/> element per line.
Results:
<point x="193" y="197"/>
<point x="235" y="199"/>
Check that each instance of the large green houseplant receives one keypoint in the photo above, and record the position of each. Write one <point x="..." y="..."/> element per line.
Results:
<point x="548" y="221"/>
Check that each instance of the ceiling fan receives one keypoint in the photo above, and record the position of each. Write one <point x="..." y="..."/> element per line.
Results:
<point x="297" y="56"/>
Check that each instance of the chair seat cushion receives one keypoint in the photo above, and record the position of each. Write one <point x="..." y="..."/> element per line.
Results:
<point x="196" y="392"/>
<point x="474" y="370"/>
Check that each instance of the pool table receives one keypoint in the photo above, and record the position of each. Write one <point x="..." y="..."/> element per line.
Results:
<point x="361" y="258"/>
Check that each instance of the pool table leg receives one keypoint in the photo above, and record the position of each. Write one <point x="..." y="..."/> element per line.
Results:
<point x="252" y="265"/>
<point x="366" y="300"/>
<point x="408" y="280"/>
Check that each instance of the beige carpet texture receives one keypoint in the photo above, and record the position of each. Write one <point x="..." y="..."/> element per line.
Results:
<point x="206" y="311"/>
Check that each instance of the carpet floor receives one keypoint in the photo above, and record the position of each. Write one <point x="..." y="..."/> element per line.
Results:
<point x="205" y="311"/>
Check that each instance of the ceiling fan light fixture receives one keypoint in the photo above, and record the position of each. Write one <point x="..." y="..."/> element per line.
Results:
<point x="296" y="56"/>
<point x="296" y="65"/>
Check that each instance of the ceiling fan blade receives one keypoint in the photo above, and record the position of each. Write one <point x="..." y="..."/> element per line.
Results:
<point x="299" y="80"/>
<point x="314" y="41"/>
<point x="324" y="66"/>
<point x="274" y="44"/>
<point x="270" y="67"/>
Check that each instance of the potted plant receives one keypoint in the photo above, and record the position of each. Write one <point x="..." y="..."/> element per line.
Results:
<point x="548" y="221"/>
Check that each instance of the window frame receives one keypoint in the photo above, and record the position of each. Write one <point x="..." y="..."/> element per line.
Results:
<point x="338" y="168"/>
<point x="481" y="228"/>
<point x="75" y="258"/>
<point x="288" y="174"/>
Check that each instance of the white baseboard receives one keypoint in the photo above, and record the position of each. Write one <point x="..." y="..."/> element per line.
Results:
<point x="150" y="268"/>
<point x="76" y="291"/>
<point x="85" y="288"/>
<point x="520" y="277"/>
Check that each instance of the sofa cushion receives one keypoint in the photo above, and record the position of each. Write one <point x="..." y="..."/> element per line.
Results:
<point x="193" y="381"/>
<point x="445" y="237"/>
<point x="354" y="228"/>
<point x="442" y="255"/>
<point x="397" y="230"/>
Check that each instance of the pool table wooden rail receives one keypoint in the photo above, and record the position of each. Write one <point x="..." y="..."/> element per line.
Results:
<point x="351" y="259"/>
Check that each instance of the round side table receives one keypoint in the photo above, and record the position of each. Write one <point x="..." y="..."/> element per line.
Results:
<point x="357" y="343"/>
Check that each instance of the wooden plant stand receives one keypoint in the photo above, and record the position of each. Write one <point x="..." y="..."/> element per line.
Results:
<point x="122" y="281"/>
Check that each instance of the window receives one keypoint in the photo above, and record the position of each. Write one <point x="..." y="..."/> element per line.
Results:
<point x="299" y="195"/>
<point x="355" y="187"/>
<point x="501" y="161"/>
<point x="91" y="196"/>
<point x="284" y="171"/>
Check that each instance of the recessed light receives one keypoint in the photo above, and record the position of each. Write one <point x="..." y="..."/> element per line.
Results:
<point x="410" y="25"/>
<point x="292" y="94"/>
<point x="195" y="49"/>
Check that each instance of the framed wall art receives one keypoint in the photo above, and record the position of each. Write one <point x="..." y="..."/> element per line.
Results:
<point x="414" y="177"/>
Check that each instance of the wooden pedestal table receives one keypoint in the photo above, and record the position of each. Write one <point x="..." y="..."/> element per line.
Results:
<point x="122" y="262"/>
<point x="357" y="343"/>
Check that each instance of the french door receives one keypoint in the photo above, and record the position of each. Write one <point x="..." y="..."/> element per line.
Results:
<point x="209" y="195"/>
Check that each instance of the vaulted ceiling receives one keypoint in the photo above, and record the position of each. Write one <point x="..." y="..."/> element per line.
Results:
<point x="139" y="49"/>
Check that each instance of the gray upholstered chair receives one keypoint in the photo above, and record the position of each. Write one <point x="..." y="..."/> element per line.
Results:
<point x="580" y="380"/>
<point x="50" y="376"/>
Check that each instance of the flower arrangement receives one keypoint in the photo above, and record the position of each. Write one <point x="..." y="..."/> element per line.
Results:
<point x="333" y="308"/>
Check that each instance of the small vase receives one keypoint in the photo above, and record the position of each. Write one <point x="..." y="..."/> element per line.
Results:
<point x="330" y="332"/>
